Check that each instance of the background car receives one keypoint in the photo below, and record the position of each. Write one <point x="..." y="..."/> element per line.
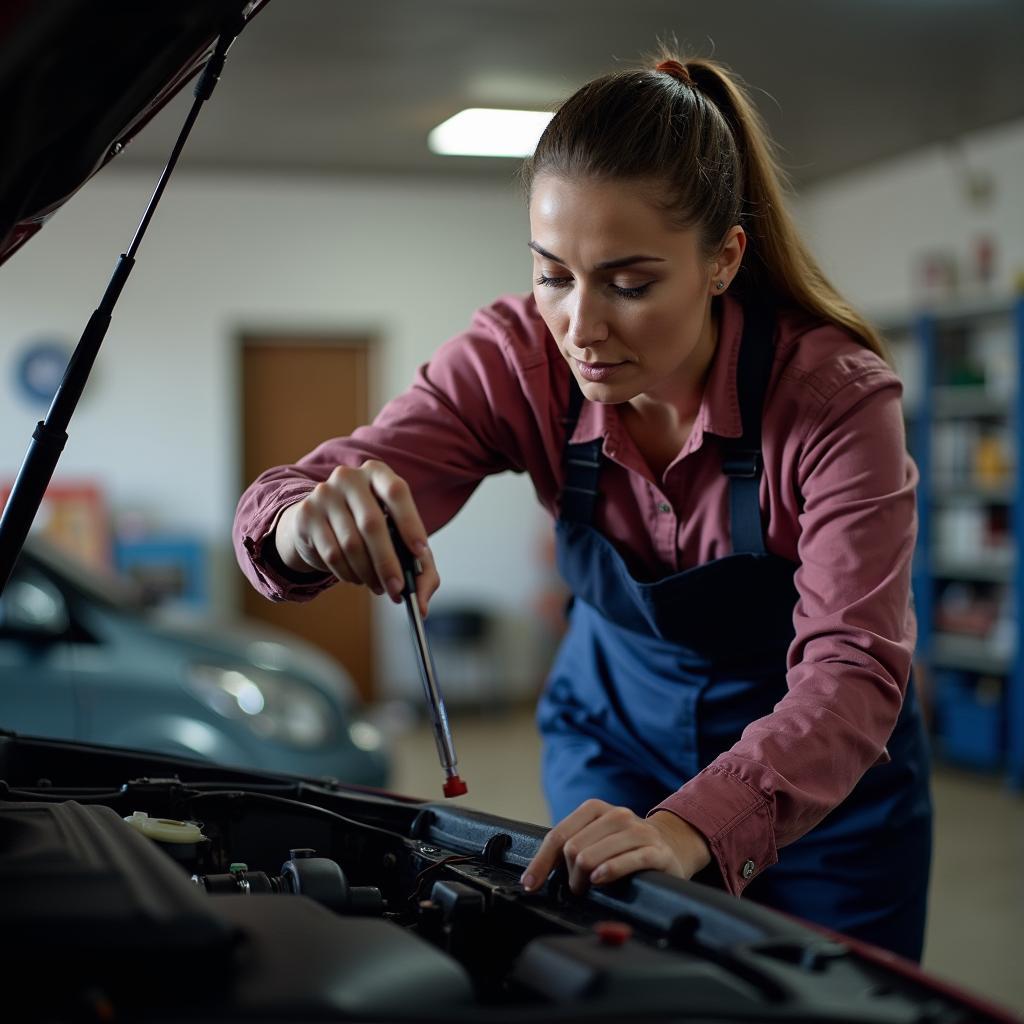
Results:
<point x="82" y="658"/>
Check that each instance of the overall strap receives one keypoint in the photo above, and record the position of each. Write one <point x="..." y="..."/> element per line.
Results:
<point x="742" y="462"/>
<point x="582" y="466"/>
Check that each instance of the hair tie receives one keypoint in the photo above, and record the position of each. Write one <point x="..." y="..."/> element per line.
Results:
<point x="677" y="71"/>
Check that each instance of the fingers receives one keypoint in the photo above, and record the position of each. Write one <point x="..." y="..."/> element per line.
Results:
<point x="615" y="832"/>
<point x="393" y="492"/>
<point x="600" y="843"/>
<point x="554" y="842"/>
<point x="305" y="544"/>
<point x="325" y="537"/>
<point x="385" y="487"/>
<point x="639" y="858"/>
<point x="427" y="582"/>
<point x="341" y="527"/>
<point x="319" y="544"/>
<point x="380" y="561"/>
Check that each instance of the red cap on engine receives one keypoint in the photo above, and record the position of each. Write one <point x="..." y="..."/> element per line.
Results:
<point x="613" y="933"/>
<point x="455" y="787"/>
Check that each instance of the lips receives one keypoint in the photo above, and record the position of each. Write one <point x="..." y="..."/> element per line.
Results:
<point x="597" y="372"/>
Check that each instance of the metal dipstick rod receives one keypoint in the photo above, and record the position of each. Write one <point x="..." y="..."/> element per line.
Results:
<point x="411" y="568"/>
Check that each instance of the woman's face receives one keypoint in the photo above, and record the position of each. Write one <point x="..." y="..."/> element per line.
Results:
<point x="625" y="295"/>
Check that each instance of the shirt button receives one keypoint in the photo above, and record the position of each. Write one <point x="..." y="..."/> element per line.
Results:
<point x="664" y="506"/>
<point x="748" y="869"/>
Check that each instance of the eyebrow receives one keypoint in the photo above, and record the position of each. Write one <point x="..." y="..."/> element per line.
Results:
<point x="625" y="261"/>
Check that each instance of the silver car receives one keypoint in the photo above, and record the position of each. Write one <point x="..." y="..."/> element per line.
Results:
<point x="82" y="658"/>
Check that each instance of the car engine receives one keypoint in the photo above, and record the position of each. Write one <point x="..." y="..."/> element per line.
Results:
<point x="149" y="888"/>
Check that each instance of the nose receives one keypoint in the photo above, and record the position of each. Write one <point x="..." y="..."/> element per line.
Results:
<point x="587" y="323"/>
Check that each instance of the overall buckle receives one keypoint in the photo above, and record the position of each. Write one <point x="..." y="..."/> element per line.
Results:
<point x="744" y="463"/>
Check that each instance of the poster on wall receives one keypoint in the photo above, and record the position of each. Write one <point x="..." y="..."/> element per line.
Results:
<point x="169" y="570"/>
<point x="73" y="518"/>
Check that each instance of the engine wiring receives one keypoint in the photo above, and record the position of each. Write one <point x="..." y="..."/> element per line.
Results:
<point x="192" y="793"/>
<point x="238" y="794"/>
<point x="455" y="858"/>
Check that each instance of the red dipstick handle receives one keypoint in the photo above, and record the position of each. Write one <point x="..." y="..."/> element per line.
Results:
<point x="455" y="787"/>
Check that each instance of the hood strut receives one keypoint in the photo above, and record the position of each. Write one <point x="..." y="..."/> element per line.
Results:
<point x="51" y="435"/>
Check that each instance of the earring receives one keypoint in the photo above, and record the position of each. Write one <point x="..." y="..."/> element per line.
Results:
<point x="720" y="285"/>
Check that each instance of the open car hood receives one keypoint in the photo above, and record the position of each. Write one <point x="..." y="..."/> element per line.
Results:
<point x="78" y="80"/>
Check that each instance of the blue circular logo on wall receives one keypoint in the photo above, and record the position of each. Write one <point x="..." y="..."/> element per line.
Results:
<point x="40" y="369"/>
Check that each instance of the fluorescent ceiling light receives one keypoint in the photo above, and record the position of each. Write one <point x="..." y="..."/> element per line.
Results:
<point x="480" y="131"/>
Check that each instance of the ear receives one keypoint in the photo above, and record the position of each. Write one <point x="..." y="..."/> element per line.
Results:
<point x="726" y="263"/>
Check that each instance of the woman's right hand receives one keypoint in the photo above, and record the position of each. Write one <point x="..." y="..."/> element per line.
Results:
<point x="340" y="527"/>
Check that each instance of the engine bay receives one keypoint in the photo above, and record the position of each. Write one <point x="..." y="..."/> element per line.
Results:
<point x="158" y="889"/>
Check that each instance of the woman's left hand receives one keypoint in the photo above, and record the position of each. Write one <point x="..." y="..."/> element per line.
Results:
<point x="602" y="842"/>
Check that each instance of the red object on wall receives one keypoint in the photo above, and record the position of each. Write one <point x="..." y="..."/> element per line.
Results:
<point x="73" y="517"/>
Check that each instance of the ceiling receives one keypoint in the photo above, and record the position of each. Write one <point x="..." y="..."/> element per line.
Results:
<point x="331" y="86"/>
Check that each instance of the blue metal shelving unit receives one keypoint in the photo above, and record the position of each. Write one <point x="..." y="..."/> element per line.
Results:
<point x="1015" y="697"/>
<point x="926" y="330"/>
<point x="921" y="446"/>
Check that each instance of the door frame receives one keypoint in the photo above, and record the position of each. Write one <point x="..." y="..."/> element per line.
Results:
<point x="280" y="333"/>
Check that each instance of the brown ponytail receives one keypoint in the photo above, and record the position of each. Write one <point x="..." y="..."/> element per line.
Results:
<point x="690" y="127"/>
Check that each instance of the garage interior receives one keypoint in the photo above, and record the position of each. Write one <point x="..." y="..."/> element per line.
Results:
<point x="312" y="252"/>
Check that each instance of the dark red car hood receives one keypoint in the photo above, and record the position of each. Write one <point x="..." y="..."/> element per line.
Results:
<point x="78" y="80"/>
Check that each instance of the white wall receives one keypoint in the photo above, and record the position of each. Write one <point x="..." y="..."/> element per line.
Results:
<point x="408" y="262"/>
<point x="158" y="425"/>
<point x="869" y="227"/>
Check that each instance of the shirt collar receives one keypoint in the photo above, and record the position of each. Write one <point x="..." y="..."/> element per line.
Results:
<point x="719" y="411"/>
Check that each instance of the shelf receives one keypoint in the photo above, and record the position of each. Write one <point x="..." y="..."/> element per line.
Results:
<point x="968" y="309"/>
<point x="969" y="653"/>
<point x="990" y="570"/>
<point x="965" y="310"/>
<point x="967" y="402"/>
<point x="968" y="493"/>
<point x="953" y="430"/>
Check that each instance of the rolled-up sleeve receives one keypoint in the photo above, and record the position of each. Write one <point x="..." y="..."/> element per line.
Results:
<point x="850" y="659"/>
<point x="463" y="418"/>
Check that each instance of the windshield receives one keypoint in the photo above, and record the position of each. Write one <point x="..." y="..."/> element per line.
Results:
<point x="106" y="588"/>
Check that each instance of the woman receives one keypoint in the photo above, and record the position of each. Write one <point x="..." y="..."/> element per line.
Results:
<point x="721" y="441"/>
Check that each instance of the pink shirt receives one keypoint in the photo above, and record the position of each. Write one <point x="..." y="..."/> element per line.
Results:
<point x="838" y="487"/>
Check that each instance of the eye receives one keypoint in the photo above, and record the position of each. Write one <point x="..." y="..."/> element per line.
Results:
<point x="631" y="293"/>
<point x="624" y="293"/>
<point x="620" y="291"/>
<point x="553" y="282"/>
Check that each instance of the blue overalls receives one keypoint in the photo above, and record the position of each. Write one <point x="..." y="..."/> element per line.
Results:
<point x="655" y="679"/>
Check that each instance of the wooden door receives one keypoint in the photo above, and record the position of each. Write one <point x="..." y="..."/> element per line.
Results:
<point x="297" y="392"/>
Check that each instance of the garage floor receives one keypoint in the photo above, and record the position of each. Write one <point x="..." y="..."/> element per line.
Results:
<point x="976" y="924"/>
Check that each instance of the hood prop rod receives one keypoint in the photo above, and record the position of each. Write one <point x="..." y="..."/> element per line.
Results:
<point x="50" y="435"/>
